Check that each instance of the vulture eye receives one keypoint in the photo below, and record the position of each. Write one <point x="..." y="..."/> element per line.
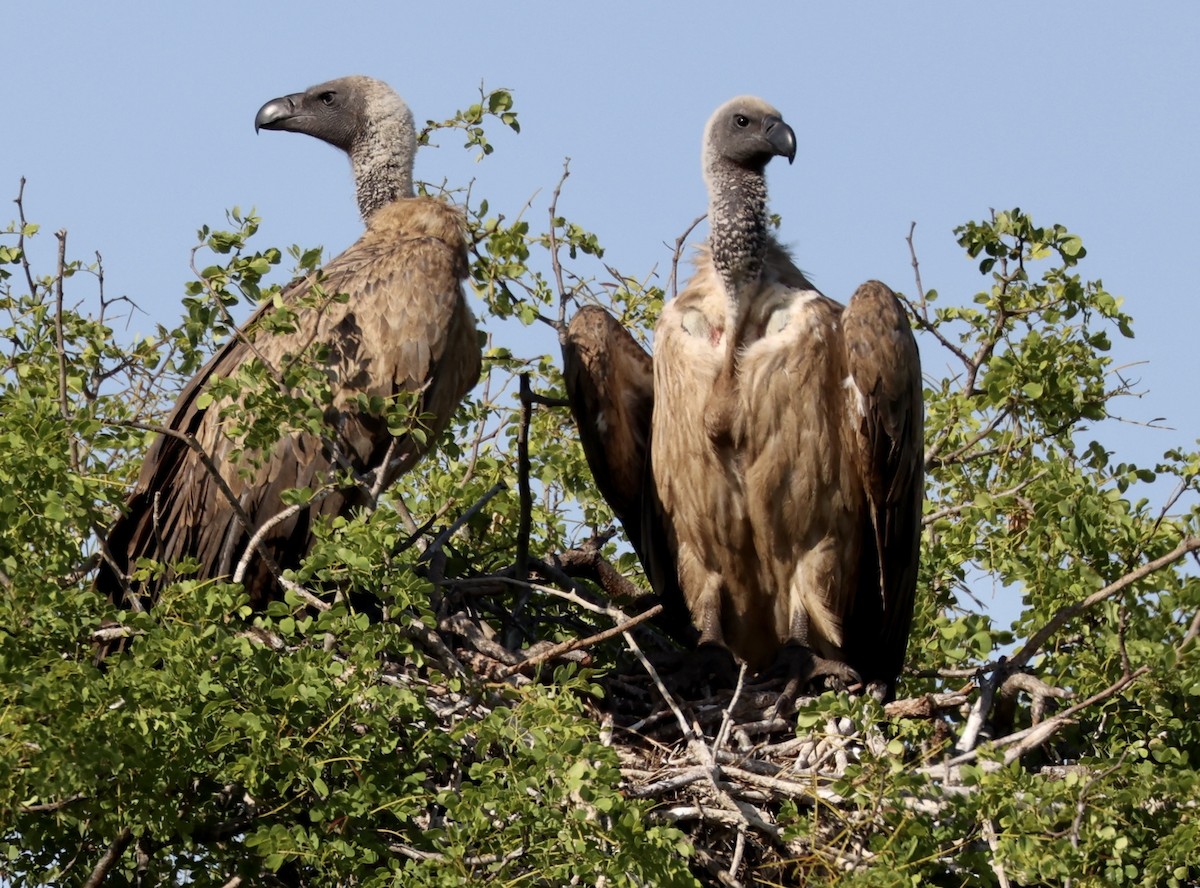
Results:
<point x="742" y="120"/>
<point x="327" y="98"/>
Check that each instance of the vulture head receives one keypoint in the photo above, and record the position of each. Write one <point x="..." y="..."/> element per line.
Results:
<point x="366" y="119"/>
<point x="746" y="133"/>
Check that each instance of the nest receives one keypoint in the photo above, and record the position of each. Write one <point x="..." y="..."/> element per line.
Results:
<point x="725" y="765"/>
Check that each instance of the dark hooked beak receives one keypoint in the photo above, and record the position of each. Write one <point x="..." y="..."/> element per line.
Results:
<point x="278" y="114"/>
<point x="779" y="135"/>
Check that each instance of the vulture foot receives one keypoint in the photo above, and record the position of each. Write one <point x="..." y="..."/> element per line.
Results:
<point x="807" y="673"/>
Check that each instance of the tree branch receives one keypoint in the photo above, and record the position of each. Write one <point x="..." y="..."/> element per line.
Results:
<point x="110" y="859"/>
<point x="1065" y="615"/>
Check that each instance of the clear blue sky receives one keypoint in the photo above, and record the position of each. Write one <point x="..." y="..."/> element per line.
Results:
<point x="134" y="126"/>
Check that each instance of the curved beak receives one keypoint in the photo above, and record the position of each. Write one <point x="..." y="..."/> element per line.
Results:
<point x="278" y="114"/>
<point x="779" y="135"/>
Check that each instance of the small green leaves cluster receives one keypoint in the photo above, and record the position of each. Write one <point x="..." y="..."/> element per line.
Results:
<point x="497" y="103"/>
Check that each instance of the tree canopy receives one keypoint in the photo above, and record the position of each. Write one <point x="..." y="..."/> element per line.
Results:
<point x="501" y="721"/>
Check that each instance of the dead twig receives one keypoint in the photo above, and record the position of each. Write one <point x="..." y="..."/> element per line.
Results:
<point x="575" y="644"/>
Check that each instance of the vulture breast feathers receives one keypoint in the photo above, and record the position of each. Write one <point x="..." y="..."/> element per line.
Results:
<point x="402" y="330"/>
<point x="795" y="514"/>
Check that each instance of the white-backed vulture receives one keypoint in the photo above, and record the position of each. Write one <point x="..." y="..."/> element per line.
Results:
<point x="787" y="438"/>
<point x="403" y="331"/>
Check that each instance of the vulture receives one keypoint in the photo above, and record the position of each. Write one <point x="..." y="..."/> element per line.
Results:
<point x="787" y="438"/>
<point x="386" y="320"/>
<point x="778" y="486"/>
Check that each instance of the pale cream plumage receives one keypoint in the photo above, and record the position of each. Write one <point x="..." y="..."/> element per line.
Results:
<point x="795" y="518"/>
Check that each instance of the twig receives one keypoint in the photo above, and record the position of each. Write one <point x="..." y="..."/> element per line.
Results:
<point x="739" y="849"/>
<point x="25" y="265"/>
<point x="555" y="264"/>
<point x="677" y="253"/>
<point x="950" y="511"/>
<point x="912" y="251"/>
<point x="525" y="526"/>
<point x="60" y="346"/>
<point x="51" y="807"/>
<point x="477" y="860"/>
<point x="979" y="713"/>
<point x="381" y="474"/>
<point x="1038" y="691"/>
<point x="257" y="538"/>
<point x="546" y="401"/>
<point x="442" y="538"/>
<point x="989" y="835"/>
<point x="1028" y="739"/>
<point x="667" y="696"/>
<point x="575" y="644"/>
<point x="727" y="720"/>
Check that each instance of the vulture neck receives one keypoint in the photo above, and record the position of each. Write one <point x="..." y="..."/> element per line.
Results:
<point x="737" y="219"/>
<point x="382" y="159"/>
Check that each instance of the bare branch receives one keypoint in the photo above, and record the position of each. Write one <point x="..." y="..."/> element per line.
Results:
<point x="677" y="253"/>
<point x="257" y="538"/>
<point x="1065" y="615"/>
<point x="989" y="835"/>
<point x="556" y="265"/>
<point x="60" y="346"/>
<point x="525" y="525"/>
<point x="575" y="644"/>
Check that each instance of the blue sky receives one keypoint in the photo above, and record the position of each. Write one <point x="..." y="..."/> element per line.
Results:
<point x="134" y="126"/>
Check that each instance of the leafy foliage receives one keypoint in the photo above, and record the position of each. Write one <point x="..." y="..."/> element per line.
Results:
<point x="308" y="744"/>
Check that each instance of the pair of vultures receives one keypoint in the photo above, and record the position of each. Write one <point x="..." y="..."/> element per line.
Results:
<point x="789" y="526"/>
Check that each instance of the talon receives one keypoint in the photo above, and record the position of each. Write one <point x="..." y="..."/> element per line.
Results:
<point x="804" y="668"/>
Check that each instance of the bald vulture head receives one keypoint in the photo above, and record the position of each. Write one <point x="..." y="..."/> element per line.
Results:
<point x="746" y="133"/>
<point x="366" y="119"/>
<point x="739" y="140"/>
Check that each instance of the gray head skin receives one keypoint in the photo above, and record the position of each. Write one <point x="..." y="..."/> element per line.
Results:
<point x="366" y="119"/>
<point x="741" y="137"/>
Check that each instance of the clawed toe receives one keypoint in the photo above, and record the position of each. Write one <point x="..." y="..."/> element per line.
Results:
<point x="807" y="671"/>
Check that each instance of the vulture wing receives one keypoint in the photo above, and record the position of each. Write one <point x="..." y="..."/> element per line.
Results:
<point x="882" y="360"/>
<point x="405" y="328"/>
<point x="610" y="384"/>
